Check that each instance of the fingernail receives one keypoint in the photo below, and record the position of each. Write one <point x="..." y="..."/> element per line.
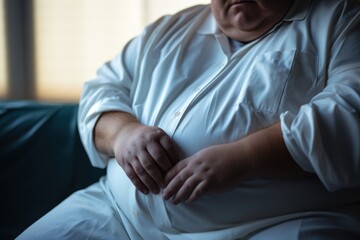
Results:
<point x="165" y="196"/>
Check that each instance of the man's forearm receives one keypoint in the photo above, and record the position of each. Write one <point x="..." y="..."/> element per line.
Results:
<point x="145" y="153"/>
<point x="262" y="154"/>
<point x="268" y="154"/>
<point x="108" y="127"/>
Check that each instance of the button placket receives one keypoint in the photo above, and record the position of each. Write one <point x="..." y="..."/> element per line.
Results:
<point x="179" y="112"/>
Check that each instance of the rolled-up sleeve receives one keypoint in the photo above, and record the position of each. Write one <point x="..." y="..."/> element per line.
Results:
<point x="324" y="136"/>
<point x="109" y="91"/>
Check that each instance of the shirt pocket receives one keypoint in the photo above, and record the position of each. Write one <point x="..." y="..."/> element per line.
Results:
<point x="265" y="81"/>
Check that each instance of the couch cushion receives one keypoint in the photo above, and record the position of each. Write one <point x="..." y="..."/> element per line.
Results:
<point x="42" y="161"/>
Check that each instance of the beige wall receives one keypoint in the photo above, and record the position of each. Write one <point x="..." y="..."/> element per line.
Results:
<point x="3" y="78"/>
<point x="74" y="37"/>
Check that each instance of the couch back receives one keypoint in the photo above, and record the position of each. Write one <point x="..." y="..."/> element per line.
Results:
<point x="42" y="161"/>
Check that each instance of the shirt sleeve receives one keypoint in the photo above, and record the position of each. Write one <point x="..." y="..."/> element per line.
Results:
<point x="324" y="136"/>
<point x="109" y="91"/>
<point x="115" y="83"/>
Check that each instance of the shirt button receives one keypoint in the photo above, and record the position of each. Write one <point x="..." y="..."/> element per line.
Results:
<point x="177" y="114"/>
<point x="197" y="89"/>
<point x="135" y="213"/>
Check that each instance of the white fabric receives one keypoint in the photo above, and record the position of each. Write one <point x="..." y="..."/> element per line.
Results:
<point x="88" y="214"/>
<point x="182" y="76"/>
<point x="92" y="213"/>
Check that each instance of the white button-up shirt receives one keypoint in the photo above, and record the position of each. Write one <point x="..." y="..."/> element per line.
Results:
<point x="181" y="75"/>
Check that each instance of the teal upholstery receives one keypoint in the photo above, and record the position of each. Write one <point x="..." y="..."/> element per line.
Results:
<point x="42" y="161"/>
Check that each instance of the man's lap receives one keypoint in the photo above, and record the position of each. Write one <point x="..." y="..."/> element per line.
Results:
<point x="335" y="226"/>
<point x="93" y="214"/>
<point x="86" y="214"/>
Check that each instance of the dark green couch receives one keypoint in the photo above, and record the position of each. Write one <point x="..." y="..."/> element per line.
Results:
<point x="42" y="161"/>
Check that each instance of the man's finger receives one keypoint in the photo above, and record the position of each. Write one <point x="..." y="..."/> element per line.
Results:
<point x="159" y="156"/>
<point x="169" y="148"/>
<point x="144" y="176"/>
<point x="200" y="190"/>
<point x="149" y="164"/>
<point x="130" y="172"/>
<point x="174" y="180"/>
<point x="174" y="171"/>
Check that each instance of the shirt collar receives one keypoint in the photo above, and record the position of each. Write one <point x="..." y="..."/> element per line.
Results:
<point x="297" y="12"/>
<point x="209" y="25"/>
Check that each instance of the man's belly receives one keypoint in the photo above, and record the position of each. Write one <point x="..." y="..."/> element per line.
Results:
<point x="251" y="201"/>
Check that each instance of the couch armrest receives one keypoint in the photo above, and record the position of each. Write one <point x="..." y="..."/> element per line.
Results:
<point x="42" y="161"/>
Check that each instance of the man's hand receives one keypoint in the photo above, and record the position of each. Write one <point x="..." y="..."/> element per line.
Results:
<point x="146" y="154"/>
<point x="262" y="154"/>
<point x="213" y="169"/>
